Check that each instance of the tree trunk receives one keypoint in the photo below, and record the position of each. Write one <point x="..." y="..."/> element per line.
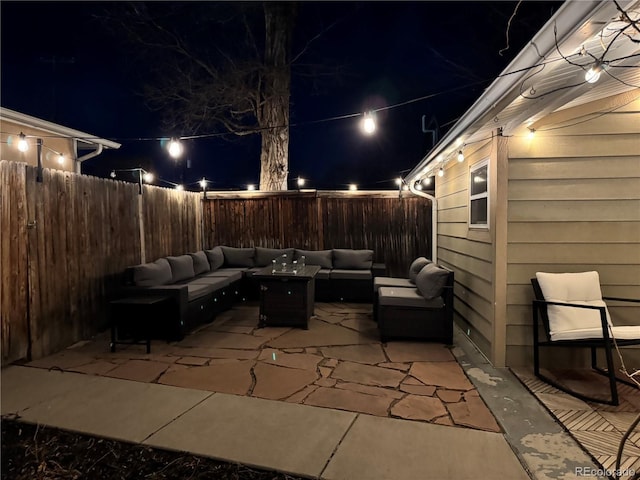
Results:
<point x="273" y="116"/>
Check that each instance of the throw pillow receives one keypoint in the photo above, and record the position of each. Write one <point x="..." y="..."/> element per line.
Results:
<point x="238" y="257"/>
<point x="322" y="258"/>
<point x="200" y="262"/>
<point x="181" y="268"/>
<point x="215" y="257"/>
<point x="416" y="266"/>
<point x="431" y="281"/>
<point x="152" y="274"/>
<point x="347" y="259"/>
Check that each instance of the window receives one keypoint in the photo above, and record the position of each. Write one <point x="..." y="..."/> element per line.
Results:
<point x="479" y="195"/>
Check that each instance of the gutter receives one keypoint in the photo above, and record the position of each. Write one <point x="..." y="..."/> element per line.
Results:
<point x="87" y="156"/>
<point x="568" y="19"/>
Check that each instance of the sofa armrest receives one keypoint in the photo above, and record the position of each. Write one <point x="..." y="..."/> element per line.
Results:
<point x="379" y="270"/>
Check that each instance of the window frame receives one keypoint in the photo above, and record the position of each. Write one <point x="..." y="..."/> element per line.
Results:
<point x="479" y="196"/>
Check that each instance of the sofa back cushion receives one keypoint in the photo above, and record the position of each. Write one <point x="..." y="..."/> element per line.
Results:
<point x="238" y="257"/>
<point x="181" y="268"/>
<point x="416" y="266"/>
<point x="431" y="280"/>
<point x="352" y="259"/>
<point x="152" y="274"/>
<point x="200" y="262"/>
<point x="215" y="257"/>
<point x="322" y="258"/>
<point x="265" y="255"/>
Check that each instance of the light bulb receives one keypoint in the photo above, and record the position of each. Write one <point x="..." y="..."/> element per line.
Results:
<point x="460" y="156"/>
<point x="300" y="182"/>
<point x="23" y="146"/>
<point x="593" y="74"/>
<point x="418" y="186"/>
<point x="427" y="181"/>
<point x="147" y="177"/>
<point x="531" y="134"/>
<point x="60" y="159"/>
<point x="203" y="183"/>
<point x="353" y="187"/>
<point x="441" y="172"/>
<point x="180" y="188"/>
<point x="368" y="124"/>
<point x="113" y="174"/>
<point x="399" y="181"/>
<point x="251" y="187"/>
<point x="175" y="148"/>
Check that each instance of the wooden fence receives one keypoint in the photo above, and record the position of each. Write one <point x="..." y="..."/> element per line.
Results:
<point x="65" y="241"/>
<point x="397" y="229"/>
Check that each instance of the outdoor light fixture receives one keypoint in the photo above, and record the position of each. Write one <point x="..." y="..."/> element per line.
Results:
<point x="368" y="124"/>
<point x="175" y="148"/>
<point x="353" y="187"/>
<point x="23" y="146"/>
<point x="460" y="156"/>
<point x="593" y="74"/>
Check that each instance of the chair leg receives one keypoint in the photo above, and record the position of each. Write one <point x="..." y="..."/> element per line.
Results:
<point x="612" y="374"/>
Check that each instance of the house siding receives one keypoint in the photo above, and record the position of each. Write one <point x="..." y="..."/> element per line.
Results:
<point x="573" y="205"/>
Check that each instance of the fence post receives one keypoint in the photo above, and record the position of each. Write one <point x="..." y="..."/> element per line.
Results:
<point x="143" y="252"/>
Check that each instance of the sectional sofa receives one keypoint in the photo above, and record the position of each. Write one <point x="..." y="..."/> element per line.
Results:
<point x="204" y="283"/>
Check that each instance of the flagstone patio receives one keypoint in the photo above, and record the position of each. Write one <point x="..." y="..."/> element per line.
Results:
<point x="337" y="363"/>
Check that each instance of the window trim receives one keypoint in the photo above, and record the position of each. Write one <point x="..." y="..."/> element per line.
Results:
<point x="478" y="196"/>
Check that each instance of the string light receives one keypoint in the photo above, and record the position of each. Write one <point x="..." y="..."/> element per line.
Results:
<point x="180" y="188"/>
<point x="23" y="146"/>
<point x="251" y="187"/>
<point x="203" y="183"/>
<point x="300" y="182"/>
<point x="460" y="156"/>
<point x="353" y="187"/>
<point x="532" y="133"/>
<point x="593" y="74"/>
<point x="60" y="159"/>
<point x="441" y="172"/>
<point x="399" y="181"/>
<point x="368" y="124"/>
<point x="175" y="148"/>
<point x="148" y="177"/>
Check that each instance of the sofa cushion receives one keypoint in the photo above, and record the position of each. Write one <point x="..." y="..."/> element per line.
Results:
<point x="265" y="255"/>
<point x="152" y="274"/>
<point x="416" y="266"/>
<point x="338" y="273"/>
<point x="181" y="268"/>
<point x="200" y="262"/>
<point x="215" y="257"/>
<point x="323" y="274"/>
<point x="352" y="259"/>
<point x="232" y="275"/>
<point x="238" y="257"/>
<point x="322" y="258"/>
<point x="431" y="280"/>
<point x="407" y="297"/>
<point x="391" y="282"/>
<point x="217" y="282"/>
<point x="199" y="290"/>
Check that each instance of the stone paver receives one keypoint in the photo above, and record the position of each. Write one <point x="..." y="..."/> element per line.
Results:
<point x="232" y="377"/>
<point x="473" y="413"/>
<point x="319" y="334"/>
<point x="378" y="391"/>
<point x="299" y="397"/>
<point x="449" y="396"/>
<point x="302" y="361"/>
<point x="138" y="370"/>
<point x="427" y="390"/>
<point x="418" y="352"/>
<point x="367" y="374"/>
<point x="396" y="366"/>
<point x="223" y="340"/>
<point x="326" y="382"/>
<point x="443" y="374"/>
<point x="275" y="383"/>
<point x="192" y="361"/>
<point x="364" y="325"/>
<point x="218" y="353"/>
<point x="348" y="400"/>
<point x="414" y="407"/>
<point x="98" y="367"/>
<point x="370" y="354"/>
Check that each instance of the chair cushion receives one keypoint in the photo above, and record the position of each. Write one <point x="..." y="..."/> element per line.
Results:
<point x="338" y="273"/>
<point x="239" y="257"/>
<point x="416" y="266"/>
<point x="181" y="267"/>
<point x="200" y="262"/>
<point x="348" y="259"/>
<point x="322" y="258"/>
<point x="407" y="297"/>
<point x="265" y="255"/>
<point x="582" y="288"/>
<point x="431" y="280"/>
<point x="215" y="257"/>
<point x="620" y="333"/>
<point x="152" y="274"/>
<point x="391" y="282"/>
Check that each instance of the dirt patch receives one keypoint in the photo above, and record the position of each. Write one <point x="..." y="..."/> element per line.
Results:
<point x="35" y="452"/>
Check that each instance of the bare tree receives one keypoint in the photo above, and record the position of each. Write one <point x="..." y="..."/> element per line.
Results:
<point x="219" y="67"/>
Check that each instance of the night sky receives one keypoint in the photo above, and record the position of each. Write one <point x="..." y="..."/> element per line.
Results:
<point x="60" y="62"/>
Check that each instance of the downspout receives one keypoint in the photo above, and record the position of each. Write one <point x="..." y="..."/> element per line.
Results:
<point x="89" y="155"/>
<point x="434" y="221"/>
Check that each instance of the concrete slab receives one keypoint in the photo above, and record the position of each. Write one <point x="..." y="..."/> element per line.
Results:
<point x="291" y="438"/>
<point x="107" y="407"/>
<point x="232" y="377"/>
<point x="411" y="450"/>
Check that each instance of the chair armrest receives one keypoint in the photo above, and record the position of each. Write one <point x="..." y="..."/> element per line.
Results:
<point x="603" y="313"/>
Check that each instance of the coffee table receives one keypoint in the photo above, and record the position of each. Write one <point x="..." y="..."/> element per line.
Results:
<point x="286" y="297"/>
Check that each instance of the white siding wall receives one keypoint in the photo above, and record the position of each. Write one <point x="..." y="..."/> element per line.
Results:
<point x="573" y="205"/>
